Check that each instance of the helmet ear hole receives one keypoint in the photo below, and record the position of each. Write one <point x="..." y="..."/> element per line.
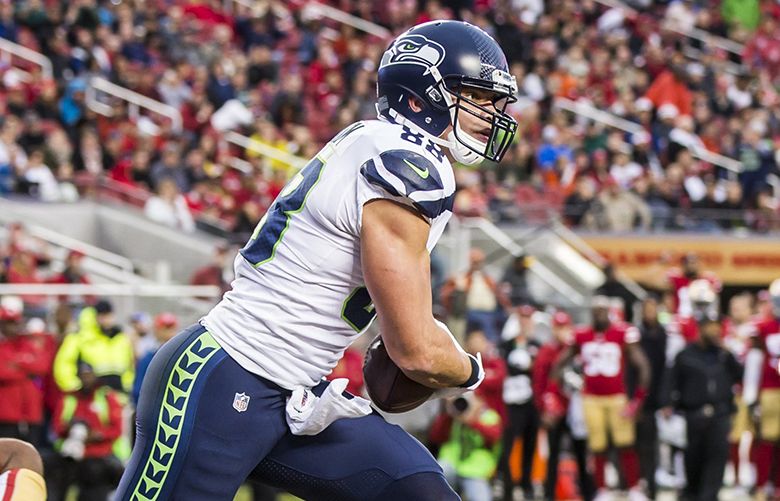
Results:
<point x="416" y="104"/>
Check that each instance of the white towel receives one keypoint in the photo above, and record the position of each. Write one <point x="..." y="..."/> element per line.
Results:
<point x="308" y="414"/>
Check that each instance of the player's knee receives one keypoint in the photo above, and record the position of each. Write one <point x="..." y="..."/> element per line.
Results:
<point x="427" y="486"/>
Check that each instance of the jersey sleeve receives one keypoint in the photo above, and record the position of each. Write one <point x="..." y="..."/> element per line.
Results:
<point x="407" y="177"/>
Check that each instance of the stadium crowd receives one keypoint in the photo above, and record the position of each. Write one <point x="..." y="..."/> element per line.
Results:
<point x="289" y="79"/>
<point x="577" y="396"/>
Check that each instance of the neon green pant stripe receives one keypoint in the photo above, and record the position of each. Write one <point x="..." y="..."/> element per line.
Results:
<point x="170" y="421"/>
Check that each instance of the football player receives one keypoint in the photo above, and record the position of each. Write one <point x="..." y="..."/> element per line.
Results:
<point x="738" y="329"/>
<point x="21" y="472"/>
<point x="702" y="302"/>
<point x="761" y="391"/>
<point x="609" y="414"/>
<point x="346" y="240"/>
<point x="680" y="278"/>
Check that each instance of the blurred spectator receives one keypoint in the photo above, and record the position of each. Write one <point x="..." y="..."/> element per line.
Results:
<point x="165" y="325"/>
<point x="469" y="432"/>
<point x="515" y="281"/>
<point x="700" y="386"/>
<point x="614" y="288"/>
<point x="170" y="166"/>
<point x="652" y="340"/>
<point x="217" y="272"/>
<point x="491" y="391"/>
<point x="350" y="366"/>
<point x="140" y="332"/>
<point x="519" y="350"/>
<point x="23" y="269"/>
<point x="624" y="171"/>
<point x="671" y="87"/>
<point x="579" y="203"/>
<point x="169" y="207"/>
<point x="23" y="364"/>
<point x="100" y="343"/>
<point x="73" y="273"/>
<point x="618" y="210"/>
<point x="478" y="295"/>
<point x="552" y="401"/>
<point x="87" y="423"/>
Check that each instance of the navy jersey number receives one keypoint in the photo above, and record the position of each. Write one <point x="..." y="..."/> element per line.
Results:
<point x="261" y="248"/>
<point x="358" y="310"/>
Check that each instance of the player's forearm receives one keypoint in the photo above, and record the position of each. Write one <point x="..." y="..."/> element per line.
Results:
<point x="436" y="362"/>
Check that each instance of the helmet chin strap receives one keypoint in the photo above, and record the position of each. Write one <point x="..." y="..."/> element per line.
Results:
<point x="460" y="152"/>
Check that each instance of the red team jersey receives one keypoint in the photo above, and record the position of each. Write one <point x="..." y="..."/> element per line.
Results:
<point x="680" y="283"/>
<point x="602" y="357"/>
<point x="768" y="332"/>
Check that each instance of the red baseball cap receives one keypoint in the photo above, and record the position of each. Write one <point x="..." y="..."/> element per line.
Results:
<point x="9" y="315"/>
<point x="166" y="320"/>
<point x="561" y="318"/>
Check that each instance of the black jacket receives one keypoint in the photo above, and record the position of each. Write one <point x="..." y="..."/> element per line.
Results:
<point x="703" y="376"/>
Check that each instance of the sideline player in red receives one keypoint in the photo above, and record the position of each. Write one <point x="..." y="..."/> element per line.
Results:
<point x="762" y="391"/>
<point x="680" y="279"/>
<point x="609" y="414"/>
<point x="702" y="302"/>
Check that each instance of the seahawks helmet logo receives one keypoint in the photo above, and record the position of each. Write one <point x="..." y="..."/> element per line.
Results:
<point x="414" y="49"/>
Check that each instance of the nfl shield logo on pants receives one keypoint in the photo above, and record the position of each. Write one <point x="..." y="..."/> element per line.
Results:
<point x="241" y="402"/>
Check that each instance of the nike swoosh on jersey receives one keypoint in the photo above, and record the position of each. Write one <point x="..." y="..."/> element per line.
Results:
<point x="420" y="172"/>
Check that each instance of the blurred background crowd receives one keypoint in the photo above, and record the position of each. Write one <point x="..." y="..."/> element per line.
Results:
<point x="71" y="369"/>
<point x="288" y="80"/>
<point x="626" y="124"/>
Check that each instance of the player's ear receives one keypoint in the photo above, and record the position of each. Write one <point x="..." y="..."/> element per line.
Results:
<point x="415" y="104"/>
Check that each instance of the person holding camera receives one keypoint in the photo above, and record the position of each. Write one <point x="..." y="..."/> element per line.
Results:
<point x="87" y="423"/>
<point x="469" y="432"/>
<point x="101" y="343"/>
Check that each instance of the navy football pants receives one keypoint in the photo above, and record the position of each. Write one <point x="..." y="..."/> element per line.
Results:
<point x="193" y="444"/>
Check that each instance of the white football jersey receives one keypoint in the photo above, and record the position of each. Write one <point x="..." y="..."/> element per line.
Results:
<point x="298" y="299"/>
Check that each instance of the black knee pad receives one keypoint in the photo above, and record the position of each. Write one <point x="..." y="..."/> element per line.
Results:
<point x="426" y="486"/>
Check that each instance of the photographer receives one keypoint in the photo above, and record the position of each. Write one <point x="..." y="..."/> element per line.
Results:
<point x="87" y="423"/>
<point x="468" y="431"/>
<point x="100" y="343"/>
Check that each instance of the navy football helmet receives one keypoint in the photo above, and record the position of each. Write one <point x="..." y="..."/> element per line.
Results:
<point x="442" y="63"/>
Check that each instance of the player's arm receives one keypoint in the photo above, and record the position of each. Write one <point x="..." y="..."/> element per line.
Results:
<point x="15" y="454"/>
<point x="754" y="365"/>
<point x="638" y="359"/>
<point x="396" y="269"/>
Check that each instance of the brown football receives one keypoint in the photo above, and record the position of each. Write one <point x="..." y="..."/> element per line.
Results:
<point x="389" y="388"/>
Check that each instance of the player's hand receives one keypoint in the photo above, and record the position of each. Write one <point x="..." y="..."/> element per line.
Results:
<point x="754" y="411"/>
<point x="476" y="378"/>
<point x="631" y="409"/>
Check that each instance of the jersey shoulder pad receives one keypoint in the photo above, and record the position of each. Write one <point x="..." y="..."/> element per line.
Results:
<point x="408" y="174"/>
